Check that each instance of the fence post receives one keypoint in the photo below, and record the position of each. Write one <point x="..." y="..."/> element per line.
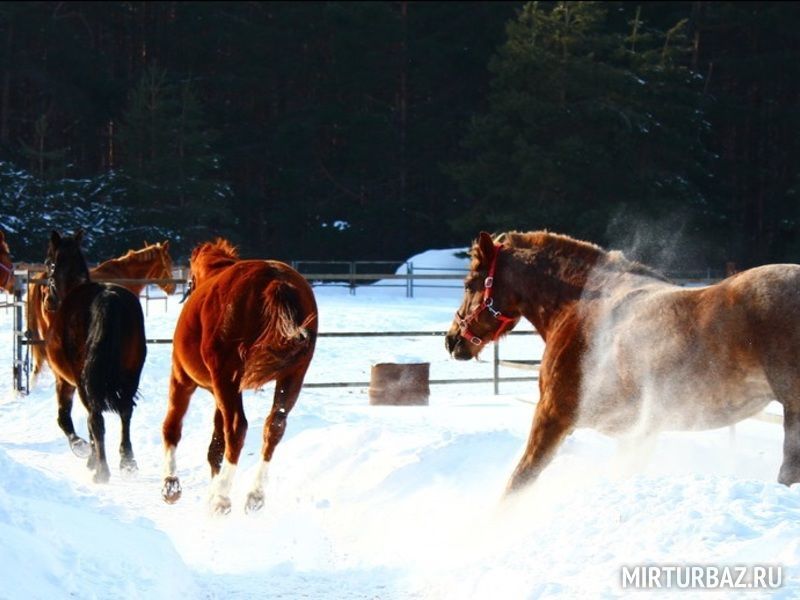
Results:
<point x="496" y="374"/>
<point x="181" y="275"/>
<point x="409" y="279"/>
<point x="21" y="382"/>
<point x="352" y="278"/>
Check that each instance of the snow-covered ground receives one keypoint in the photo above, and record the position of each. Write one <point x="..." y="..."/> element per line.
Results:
<point x="381" y="502"/>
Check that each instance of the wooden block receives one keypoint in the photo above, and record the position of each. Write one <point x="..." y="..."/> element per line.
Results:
<point x="399" y="384"/>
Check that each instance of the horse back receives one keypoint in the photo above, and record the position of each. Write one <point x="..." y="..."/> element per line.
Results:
<point x="766" y="292"/>
<point x="250" y="323"/>
<point x="86" y="313"/>
<point x="704" y="357"/>
<point x="765" y="301"/>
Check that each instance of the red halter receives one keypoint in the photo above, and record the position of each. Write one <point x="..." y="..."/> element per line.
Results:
<point x="503" y="320"/>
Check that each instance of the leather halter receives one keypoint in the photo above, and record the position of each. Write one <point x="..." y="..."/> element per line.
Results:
<point x="504" y="321"/>
<point x="50" y="268"/>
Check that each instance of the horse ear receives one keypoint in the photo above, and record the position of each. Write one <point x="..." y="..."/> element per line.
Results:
<point x="165" y="244"/>
<point x="485" y="248"/>
<point x="55" y="238"/>
<point x="79" y="236"/>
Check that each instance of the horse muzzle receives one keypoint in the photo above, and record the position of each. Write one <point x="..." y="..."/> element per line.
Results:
<point x="51" y="302"/>
<point x="50" y="299"/>
<point x="187" y="291"/>
<point x="456" y="346"/>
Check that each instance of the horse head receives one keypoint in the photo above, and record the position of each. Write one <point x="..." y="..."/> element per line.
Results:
<point x="6" y="266"/>
<point x="66" y="267"/>
<point x="165" y="265"/>
<point x="488" y="310"/>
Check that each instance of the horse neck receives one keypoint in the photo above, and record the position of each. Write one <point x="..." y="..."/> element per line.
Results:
<point x="133" y="266"/>
<point x="547" y="284"/>
<point x="154" y="267"/>
<point x="128" y="267"/>
<point x="210" y="266"/>
<point x="78" y="277"/>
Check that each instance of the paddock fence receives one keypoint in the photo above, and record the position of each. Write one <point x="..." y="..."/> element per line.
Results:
<point x="24" y="339"/>
<point x="350" y="274"/>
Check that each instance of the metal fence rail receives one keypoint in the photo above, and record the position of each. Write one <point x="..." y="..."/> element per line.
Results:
<point x="496" y="378"/>
<point x="23" y="341"/>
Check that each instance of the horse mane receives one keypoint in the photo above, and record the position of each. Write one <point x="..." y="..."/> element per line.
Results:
<point x="218" y="247"/>
<point x="561" y="246"/>
<point x="141" y="254"/>
<point x="215" y="254"/>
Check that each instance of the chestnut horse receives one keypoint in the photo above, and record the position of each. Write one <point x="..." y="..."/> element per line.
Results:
<point x="6" y="266"/>
<point x="95" y="343"/>
<point x="245" y="323"/>
<point x="629" y="353"/>
<point x="151" y="262"/>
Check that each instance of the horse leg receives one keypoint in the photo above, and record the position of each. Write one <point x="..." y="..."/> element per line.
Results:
<point x="216" y="448"/>
<point x="37" y="350"/>
<point x="234" y="428"/>
<point x="789" y="396"/>
<point x="97" y="427"/>
<point x="180" y="392"/>
<point x="790" y="468"/>
<point x="65" y="394"/>
<point x="782" y="377"/>
<point x="557" y="409"/>
<point x="127" y="463"/>
<point x="553" y="420"/>
<point x="287" y="389"/>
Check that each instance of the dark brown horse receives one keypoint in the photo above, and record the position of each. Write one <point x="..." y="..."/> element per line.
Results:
<point x="150" y="262"/>
<point x="6" y="266"/>
<point x="95" y="343"/>
<point x="246" y="322"/>
<point x="627" y="352"/>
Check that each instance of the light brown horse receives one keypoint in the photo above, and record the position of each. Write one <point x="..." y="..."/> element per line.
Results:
<point x="6" y="266"/>
<point x="150" y="262"/>
<point x="629" y="353"/>
<point x="246" y="322"/>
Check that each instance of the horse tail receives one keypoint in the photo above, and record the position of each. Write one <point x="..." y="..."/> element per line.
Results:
<point x="283" y="339"/>
<point x="36" y="326"/>
<point x="107" y="383"/>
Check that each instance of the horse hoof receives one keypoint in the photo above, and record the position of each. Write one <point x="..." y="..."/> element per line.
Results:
<point x="171" y="492"/>
<point x="101" y="475"/>
<point x="789" y="474"/>
<point x="80" y="448"/>
<point x="255" y="502"/>
<point x="128" y="467"/>
<point x="221" y="505"/>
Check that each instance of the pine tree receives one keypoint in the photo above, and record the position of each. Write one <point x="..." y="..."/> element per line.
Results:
<point x="588" y="119"/>
<point x="45" y="162"/>
<point x="168" y="157"/>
